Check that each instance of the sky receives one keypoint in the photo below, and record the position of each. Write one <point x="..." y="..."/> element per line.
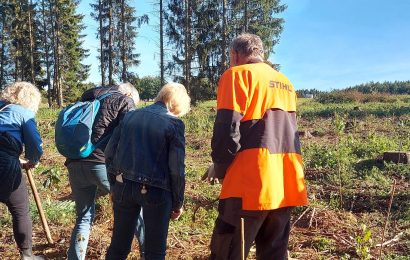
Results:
<point x="325" y="44"/>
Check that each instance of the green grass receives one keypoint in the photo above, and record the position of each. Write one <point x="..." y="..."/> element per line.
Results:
<point x="345" y="141"/>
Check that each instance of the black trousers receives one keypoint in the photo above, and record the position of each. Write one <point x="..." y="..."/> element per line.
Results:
<point x="268" y="228"/>
<point x="18" y="205"/>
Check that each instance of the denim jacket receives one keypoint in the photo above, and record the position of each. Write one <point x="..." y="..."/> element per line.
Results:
<point x="149" y="147"/>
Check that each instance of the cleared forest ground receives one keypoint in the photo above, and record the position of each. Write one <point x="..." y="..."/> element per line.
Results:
<point x="349" y="188"/>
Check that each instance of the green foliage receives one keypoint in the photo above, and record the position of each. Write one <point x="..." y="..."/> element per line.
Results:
<point x="396" y="257"/>
<point x="364" y="242"/>
<point x="339" y="97"/>
<point x="335" y="97"/>
<point x="398" y="169"/>
<point x="19" y="49"/>
<point x="396" y="87"/>
<point x="5" y="216"/>
<point x="339" y="123"/>
<point x="323" y="244"/>
<point x="312" y="109"/>
<point x="74" y="94"/>
<point x="317" y="156"/>
<point x="61" y="212"/>
<point x="375" y="145"/>
<point x="117" y="30"/>
<point x="148" y="87"/>
<point x="52" y="178"/>
<point x="200" y="33"/>
<point x="366" y="182"/>
<point x="199" y="120"/>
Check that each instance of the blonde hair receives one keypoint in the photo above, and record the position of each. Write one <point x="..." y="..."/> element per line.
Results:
<point x="248" y="45"/>
<point x="129" y="90"/>
<point x="22" y="93"/>
<point x="175" y="97"/>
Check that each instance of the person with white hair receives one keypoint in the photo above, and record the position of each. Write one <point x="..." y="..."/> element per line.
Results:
<point x="87" y="175"/>
<point x="19" y="103"/>
<point x="146" y="156"/>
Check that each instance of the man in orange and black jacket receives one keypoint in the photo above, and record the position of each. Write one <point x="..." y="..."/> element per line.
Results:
<point x="256" y="151"/>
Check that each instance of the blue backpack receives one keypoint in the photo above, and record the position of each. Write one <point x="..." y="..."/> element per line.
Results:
<point x="74" y="127"/>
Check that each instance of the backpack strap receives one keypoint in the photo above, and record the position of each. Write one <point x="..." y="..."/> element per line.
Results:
<point x="4" y="106"/>
<point x="104" y="96"/>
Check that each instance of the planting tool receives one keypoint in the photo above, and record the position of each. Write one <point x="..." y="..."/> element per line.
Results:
<point x="38" y="204"/>
<point x="242" y="239"/>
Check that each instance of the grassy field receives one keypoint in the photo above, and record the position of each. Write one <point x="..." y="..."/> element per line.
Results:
<point x="349" y="187"/>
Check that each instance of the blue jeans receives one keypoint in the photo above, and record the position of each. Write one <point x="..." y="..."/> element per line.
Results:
<point x="85" y="179"/>
<point x="140" y="233"/>
<point x="128" y="200"/>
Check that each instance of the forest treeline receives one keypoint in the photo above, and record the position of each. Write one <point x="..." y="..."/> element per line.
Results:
<point x="387" y="87"/>
<point x="41" y="41"/>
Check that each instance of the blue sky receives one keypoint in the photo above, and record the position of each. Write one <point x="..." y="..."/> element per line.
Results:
<point x="325" y="44"/>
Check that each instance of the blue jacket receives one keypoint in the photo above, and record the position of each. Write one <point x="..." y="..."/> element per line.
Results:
<point x="149" y="147"/>
<point x="19" y="123"/>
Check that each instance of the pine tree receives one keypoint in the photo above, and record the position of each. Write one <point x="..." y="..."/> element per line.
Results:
<point x="6" y="69"/>
<point x="118" y="26"/>
<point x="126" y="32"/>
<point x="201" y="31"/>
<point x="61" y="52"/>
<point x="100" y="14"/>
<point x="161" y="41"/>
<point x="46" y="49"/>
<point x="72" y="72"/>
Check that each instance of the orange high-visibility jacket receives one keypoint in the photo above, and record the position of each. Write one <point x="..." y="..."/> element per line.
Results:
<point x="255" y="142"/>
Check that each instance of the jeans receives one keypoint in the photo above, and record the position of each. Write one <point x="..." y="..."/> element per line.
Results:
<point x="140" y="233"/>
<point x="85" y="179"/>
<point x="128" y="200"/>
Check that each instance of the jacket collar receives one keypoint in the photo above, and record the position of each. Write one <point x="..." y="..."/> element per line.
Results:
<point x="164" y="107"/>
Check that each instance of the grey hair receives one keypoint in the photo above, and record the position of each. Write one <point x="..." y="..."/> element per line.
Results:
<point x="129" y="90"/>
<point x="248" y="45"/>
<point x="22" y="93"/>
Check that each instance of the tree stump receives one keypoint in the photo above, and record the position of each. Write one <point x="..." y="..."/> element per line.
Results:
<point x="397" y="157"/>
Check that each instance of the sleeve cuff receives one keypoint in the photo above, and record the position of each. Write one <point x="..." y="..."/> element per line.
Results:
<point x="220" y="169"/>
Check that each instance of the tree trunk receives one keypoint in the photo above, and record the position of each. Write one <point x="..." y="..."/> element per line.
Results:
<point x="187" y="45"/>
<point x="46" y="51"/>
<point x="161" y="41"/>
<point x="123" y="44"/>
<point x="224" y="44"/>
<point x="3" y="22"/>
<point x="110" y="43"/>
<point x="51" y="9"/>
<point x="30" y="25"/>
<point x="102" y="56"/>
<point x="57" y="52"/>
<point x="17" y="46"/>
<point x="245" y="17"/>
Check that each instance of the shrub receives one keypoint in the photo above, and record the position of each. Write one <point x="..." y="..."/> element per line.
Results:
<point x="199" y="120"/>
<point x="374" y="145"/>
<point x="354" y="96"/>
